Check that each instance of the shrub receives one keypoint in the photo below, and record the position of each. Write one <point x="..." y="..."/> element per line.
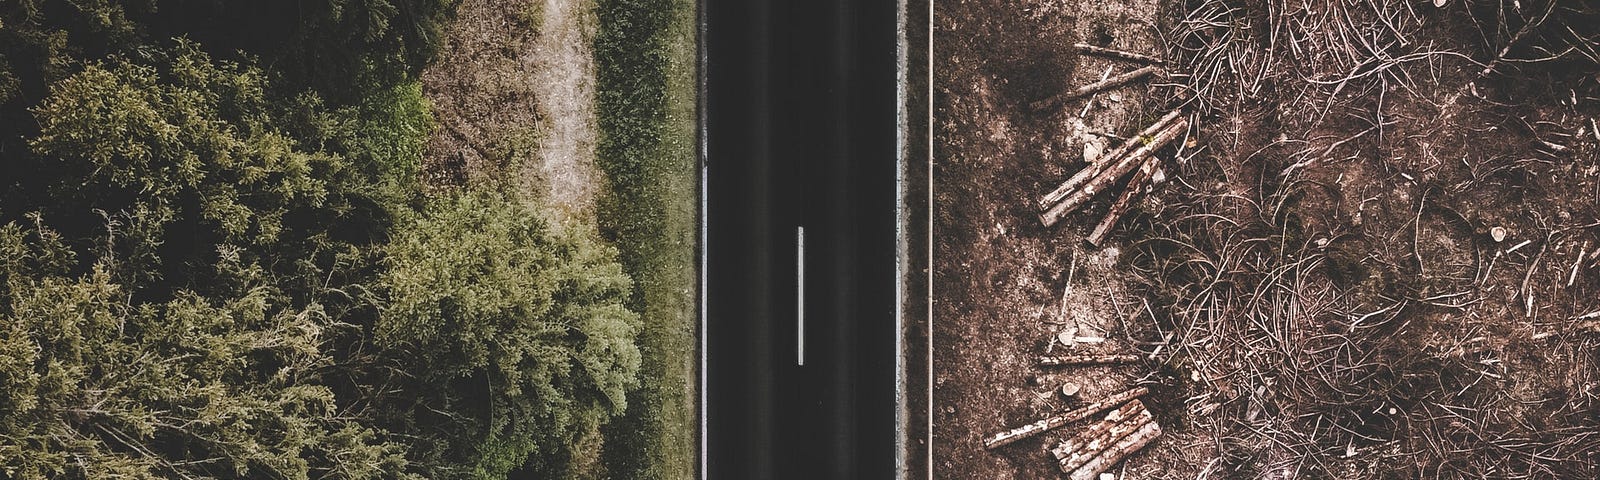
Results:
<point x="93" y="385"/>
<point x="519" y="331"/>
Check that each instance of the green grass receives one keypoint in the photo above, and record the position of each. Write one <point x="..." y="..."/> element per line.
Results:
<point x="645" y="58"/>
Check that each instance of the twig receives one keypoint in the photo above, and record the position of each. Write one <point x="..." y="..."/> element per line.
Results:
<point x="1093" y="88"/>
<point x="1111" y="52"/>
<point x="1573" y="277"/>
<point x="1070" y="360"/>
<point x="1527" y="294"/>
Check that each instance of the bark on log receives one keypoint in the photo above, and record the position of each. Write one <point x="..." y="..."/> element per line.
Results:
<point x="1111" y="52"/>
<point x="1078" y="451"/>
<point x="1112" y="173"/>
<point x="1055" y="421"/>
<point x="1106" y="159"/>
<point x="1127" y="446"/>
<point x="1129" y="193"/>
<point x="1066" y="447"/>
<point x="1068" y="360"/>
<point x="1093" y="88"/>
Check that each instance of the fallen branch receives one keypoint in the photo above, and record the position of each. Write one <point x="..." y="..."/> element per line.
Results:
<point x="1106" y="159"/>
<point x="1578" y="262"/>
<point x="1090" y="443"/>
<point x="1592" y="326"/>
<point x="1067" y="360"/>
<point x="1112" y="173"/>
<point x="1120" y="207"/>
<point x="1111" y="52"/>
<point x="1129" y="444"/>
<point x="1093" y="88"/>
<point x="1056" y="421"/>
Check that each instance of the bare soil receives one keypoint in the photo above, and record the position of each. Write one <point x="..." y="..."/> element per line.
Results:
<point x="513" y="95"/>
<point x="1001" y="290"/>
<point x="1318" y="274"/>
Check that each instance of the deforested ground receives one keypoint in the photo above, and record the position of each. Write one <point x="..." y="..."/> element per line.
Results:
<point x="1373" y="254"/>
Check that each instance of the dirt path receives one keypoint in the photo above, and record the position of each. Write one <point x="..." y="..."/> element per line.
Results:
<point x="563" y="83"/>
<point x="513" y="94"/>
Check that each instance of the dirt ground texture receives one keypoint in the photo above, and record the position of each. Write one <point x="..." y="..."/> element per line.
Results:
<point x="513" y="95"/>
<point x="1318" y="285"/>
<point x="1001" y="289"/>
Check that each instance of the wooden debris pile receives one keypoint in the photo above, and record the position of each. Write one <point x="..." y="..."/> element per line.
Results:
<point x="1091" y="451"/>
<point x="1095" y="449"/>
<point x="1135" y="155"/>
<point x="1129" y="426"/>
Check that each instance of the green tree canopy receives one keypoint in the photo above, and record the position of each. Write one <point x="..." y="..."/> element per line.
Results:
<point x="208" y="277"/>
<point x="521" y="329"/>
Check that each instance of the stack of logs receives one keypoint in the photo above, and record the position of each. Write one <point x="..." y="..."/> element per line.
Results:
<point x="1135" y="155"/>
<point x="1127" y="429"/>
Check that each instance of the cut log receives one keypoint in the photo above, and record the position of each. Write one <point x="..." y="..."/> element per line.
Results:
<point x="1056" y="421"/>
<point x="1111" y="52"/>
<point x="1112" y="173"/>
<point x="1068" y="360"/>
<point x="1080" y="450"/>
<point x="1108" y="158"/>
<point x="1118" y="451"/>
<point x="1093" y="88"/>
<point x="1072" y="444"/>
<point x="1120" y="207"/>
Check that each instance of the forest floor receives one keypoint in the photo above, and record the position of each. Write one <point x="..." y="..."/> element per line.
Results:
<point x="1317" y="290"/>
<point x="1001" y="280"/>
<point x="515" y="95"/>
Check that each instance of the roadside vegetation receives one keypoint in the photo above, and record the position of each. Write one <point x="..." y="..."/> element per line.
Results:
<point x="217" y="259"/>
<point x="645" y="55"/>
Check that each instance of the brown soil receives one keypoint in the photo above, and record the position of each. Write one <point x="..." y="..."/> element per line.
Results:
<point x="1321" y="260"/>
<point x="1001" y="289"/>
